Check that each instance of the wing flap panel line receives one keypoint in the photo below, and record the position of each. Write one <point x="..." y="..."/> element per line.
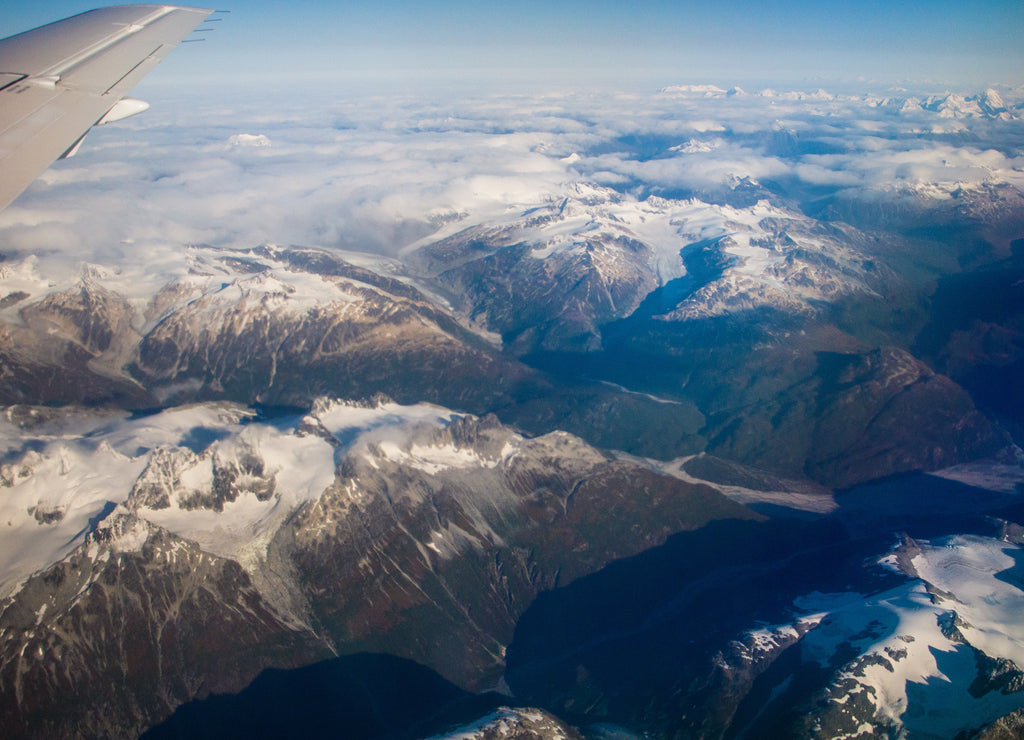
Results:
<point x="119" y="35"/>
<point x="7" y="79"/>
<point x="112" y="69"/>
<point x="150" y="60"/>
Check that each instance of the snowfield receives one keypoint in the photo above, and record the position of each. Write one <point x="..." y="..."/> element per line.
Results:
<point x="67" y="474"/>
<point x="919" y="646"/>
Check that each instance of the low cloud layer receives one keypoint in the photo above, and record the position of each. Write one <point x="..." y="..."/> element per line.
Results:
<point x="375" y="173"/>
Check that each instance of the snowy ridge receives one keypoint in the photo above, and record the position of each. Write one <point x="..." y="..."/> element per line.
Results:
<point x="77" y="468"/>
<point x="375" y="421"/>
<point x="51" y="499"/>
<point x="208" y="473"/>
<point x="984" y="577"/>
<point x="217" y="280"/>
<point x="456" y="475"/>
<point x="781" y="265"/>
<point x="510" y="723"/>
<point x="766" y="641"/>
<point x="701" y="90"/>
<point x="986" y="104"/>
<point x="433" y="458"/>
<point x="585" y="214"/>
<point x="384" y="431"/>
<point x="232" y="498"/>
<point x="957" y="630"/>
<point x="629" y="247"/>
<point x="228" y="284"/>
<point x="400" y="445"/>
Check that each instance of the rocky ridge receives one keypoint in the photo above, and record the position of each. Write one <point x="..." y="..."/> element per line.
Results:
<point x="800" y="336"/>
<point x="661" y="327"/>
<point x="550" y="277"/>
<point x="412" y="516"/>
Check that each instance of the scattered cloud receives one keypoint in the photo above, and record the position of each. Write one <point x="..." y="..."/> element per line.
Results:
<point x="374" y="172"/>
<point x="249" y="140"/>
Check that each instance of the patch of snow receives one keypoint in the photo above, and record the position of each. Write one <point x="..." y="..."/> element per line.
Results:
<point x="984" y="575"/>
<point x="78" y="469"/>
<point x="899" y="634"/>
<point x="434" y="459"/>
<point x="301" y="467"/>
<point x="54" y="499"/>
<point x="507" y="722"/>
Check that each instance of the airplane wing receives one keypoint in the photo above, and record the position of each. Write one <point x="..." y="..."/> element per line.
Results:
<point x="59" y="80"/>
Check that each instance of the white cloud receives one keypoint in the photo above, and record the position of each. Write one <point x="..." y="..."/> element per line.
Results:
<point x="370" y="172"/>
<point x="704" y="126"/>
<point x="249" y="140"/>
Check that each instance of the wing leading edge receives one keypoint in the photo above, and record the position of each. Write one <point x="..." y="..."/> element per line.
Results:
<point x="59" y="80"/>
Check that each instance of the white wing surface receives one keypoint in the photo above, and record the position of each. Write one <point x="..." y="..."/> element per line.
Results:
<point x="59" y="80"/>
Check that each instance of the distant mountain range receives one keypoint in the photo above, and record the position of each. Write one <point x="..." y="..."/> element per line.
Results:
<point x="986" y="104"/>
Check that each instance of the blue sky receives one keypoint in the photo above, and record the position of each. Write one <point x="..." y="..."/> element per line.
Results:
<point x="969" y="43"/>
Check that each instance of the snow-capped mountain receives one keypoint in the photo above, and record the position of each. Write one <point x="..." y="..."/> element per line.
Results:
<point x="598" y="275"/>
<point x="924" y="644"/>
<point x="600" y="278"/>
<point x="355" y="527"/>
<point x="279" y="327"/>
<point x="986" y="104"/>
<point x="935" y="657"/>
<point x="512" y="723"/>
<point x="335" y="532"/>
<point x="660" y="413"/>
<point x="255" y="312"/>
<point x="549" y="275"/>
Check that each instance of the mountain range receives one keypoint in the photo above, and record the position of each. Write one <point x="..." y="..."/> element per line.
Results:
<point x="743" y="463"/>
